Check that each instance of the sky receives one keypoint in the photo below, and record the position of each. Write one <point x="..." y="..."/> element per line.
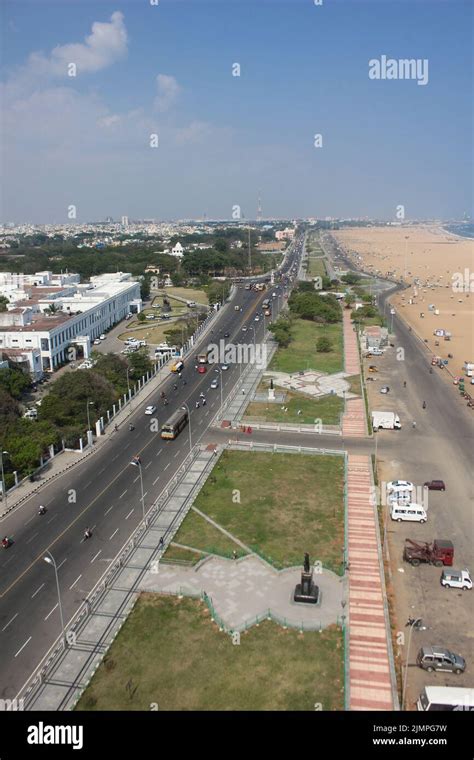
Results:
<point x="155" y="123"/>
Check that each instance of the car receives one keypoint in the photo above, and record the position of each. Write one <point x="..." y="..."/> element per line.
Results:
<point x="257" y="318"/>
<point x="215" y="384"/>
<point x="102" y="337"/>
<point x="435" y="485"/>
<point x="384" y="389"/>
<point x="150" y="316"/>
<point x="150" y="409"/>
<point x="399" y="485"/>
<point x="97" y="342"/>
<point x="227" y="335"/>
<point x="408" y="512"/>
<point x="456" y="579"/>
<point x="244" y="328"/>
<point x="439" y="658"/>
<point x="372" y="368"/>
<point x="202" y="369"/>
<point x="224" y="367"/>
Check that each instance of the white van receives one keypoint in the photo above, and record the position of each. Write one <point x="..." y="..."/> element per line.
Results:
<point x="410" y="512"/>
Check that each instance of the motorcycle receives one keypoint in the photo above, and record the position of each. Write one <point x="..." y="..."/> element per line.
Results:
<point x="42" y="510"/>
<point x="6" y="542"/>
<point x="131" y="427"/>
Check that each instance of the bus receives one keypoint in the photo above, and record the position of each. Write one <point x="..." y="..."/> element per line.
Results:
<point x="173" y="427"/>
<point x="437" y="698"/>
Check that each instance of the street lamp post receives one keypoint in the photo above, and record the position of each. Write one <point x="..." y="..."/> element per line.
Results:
<point x="50" y="560"/>
<point x="4" y="487"/>
<point x="137" y="462"/>
<point x="89" y="403"/>
<point x="189" y="426"/>
<point x="412" y="623"/>
<point x="128" y="386"/>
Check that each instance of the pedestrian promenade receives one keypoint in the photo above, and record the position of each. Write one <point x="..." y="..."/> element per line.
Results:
<point x="371" y="675"/>
<point x="353" y="419"/>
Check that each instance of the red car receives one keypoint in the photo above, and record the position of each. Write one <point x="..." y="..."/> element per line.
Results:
<point x="435" y="485"/>
<point x="202" y="369"/>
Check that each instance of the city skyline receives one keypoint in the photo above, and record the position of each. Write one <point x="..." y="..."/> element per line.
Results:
<point x="167" y="74"/>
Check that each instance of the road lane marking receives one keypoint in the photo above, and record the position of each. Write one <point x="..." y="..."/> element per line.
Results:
<point x="156" y="480"/>
<point x="137" y="478"/>
<point x="123" y="494"/>
<point x="145" y="494"/>
<point x="32" y="537"/>
<point x="106" y="513"/>
<point x="50" y="613"/>
<point x="147" y="465"/>
<point x="132" y="510"/>
<point x="31" y="518"/>
<point x="62" y="563"/>
<point x="73" y="584"/>
<point x="38" y="589"/>
<point x="10" y="621"/>
<point x="53" y="518"/>
<point x="113" y="534"/>
<point x="166" y="466"/>
<point x="24" y="645"/>
<point x="96" y="555"/>
<point x="177" y="453"/>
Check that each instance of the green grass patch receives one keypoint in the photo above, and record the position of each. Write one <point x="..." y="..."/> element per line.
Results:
<point x="327" y="408"/>
<point x="197" y="532"/>
<point x="301" y="354"/>
<point x="354" y="384"/>
<point x="190" y="294"/>
<point x="289" y="504"/>
<point x="169" y="653"/>
<point x="316" y="267"/>
<point x="177" y="553"/>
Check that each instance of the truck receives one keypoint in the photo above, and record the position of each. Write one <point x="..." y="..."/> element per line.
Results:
<point x="439" y="552"/>
<point x="202" y="358"/>
<point x="177" y="366"/>
<point x="385" y="421"/>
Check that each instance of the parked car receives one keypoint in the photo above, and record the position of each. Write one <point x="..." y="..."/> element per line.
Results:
<point x="31" y="414"/>
<point x="439" y="658"/>
<point x="408" y="512"/>
<point x="373" y="368"/>
<point x="456" y="579"/>
<point x="384" y="389"/>
<point x="435" y="485"/>
<point x="102" y="337"/>
<point x="399" y="485"/>
<point x="97" y="342"/>
<point x="150" y="409"/>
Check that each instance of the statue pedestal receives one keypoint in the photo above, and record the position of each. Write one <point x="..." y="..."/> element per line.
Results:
<point x="271" y="394"/>
<point x="306" y="592"/>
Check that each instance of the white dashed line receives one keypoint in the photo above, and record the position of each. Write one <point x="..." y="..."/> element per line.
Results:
<point x="38" y="589"/>
<point x="156" y="480"/>
<point x="31" y="518"/>
<point x="106" y="513"/>
<point x="166" y="466"/>
<point x="113" y="534"/>
<point x="10" y="621"/>
<point x="96" y="555"/>
<point x="132" y="510"/>
<point x="145" y="494"/>
<point x="24" y="645"/>
<point x="53" y="518"/>
<point x="177" y="453"/>
<point x="32" y="537"/>
<point x="62" y="563"/>
<point x="137" y="478"/>
<point x="79" y="576"/>
<point x="50" y="613"/>
<point x="147" y="465"/>
<point x="123" y="494"/>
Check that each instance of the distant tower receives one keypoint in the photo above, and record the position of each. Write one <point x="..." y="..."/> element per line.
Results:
<point x="259" y="209"/>
<point x="124" y="221"/>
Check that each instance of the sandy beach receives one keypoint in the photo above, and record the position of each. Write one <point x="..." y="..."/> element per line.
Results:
<point x="437" y="265"/>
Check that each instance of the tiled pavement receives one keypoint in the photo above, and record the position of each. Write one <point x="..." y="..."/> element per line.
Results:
<point x="370" y="676"/>
<point x="353" y="420"/>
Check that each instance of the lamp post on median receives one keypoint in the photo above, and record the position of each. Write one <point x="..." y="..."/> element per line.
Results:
<point x="4" y="487"/>
<point x="137" y="462"/>
<point x="50" y="560"/>
<point x="221" y="382"/>
<point x="89" y="403"/>
<point x="129" y="393"/>
<point x="185" y="406"/>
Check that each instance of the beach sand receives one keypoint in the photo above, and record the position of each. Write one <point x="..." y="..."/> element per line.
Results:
<point x="426" y="257"/>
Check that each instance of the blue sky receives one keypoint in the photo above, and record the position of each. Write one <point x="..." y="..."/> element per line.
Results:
<point x="167" y="70"/>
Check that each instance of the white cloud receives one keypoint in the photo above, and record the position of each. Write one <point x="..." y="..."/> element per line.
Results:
<point x="168" y="91"/>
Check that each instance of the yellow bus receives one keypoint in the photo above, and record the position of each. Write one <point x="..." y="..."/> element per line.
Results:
<point x="172" y="428"/>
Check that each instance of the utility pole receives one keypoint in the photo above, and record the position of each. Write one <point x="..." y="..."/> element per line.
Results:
<point x="250" y="254"/>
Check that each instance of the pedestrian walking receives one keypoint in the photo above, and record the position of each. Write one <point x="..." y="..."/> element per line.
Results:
<point x="160" y="543"/>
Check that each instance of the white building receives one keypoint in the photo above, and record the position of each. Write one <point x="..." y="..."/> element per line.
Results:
<point x="177" y="250"/>
<point x="47" y="324"/>
<point x="287" y="234"/>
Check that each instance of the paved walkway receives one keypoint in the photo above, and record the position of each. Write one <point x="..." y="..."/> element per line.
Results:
<point x="353" y="419"/>
<point x="241" y="590"/>
<point x="370" y="673"/>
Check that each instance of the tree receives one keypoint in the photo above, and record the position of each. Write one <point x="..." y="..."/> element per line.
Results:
<point x="66" y="405"/>
<point x="323" y="345"/>
<point x="140" y="363"/>
<point x="14" y="381"/>
<point x="145" y="287"/>
<point x="281" y="330"/>
<point x="141" y="316"/>
<point x="351" y="278"/>
<point x="3" y="303"/>
<point x="114" y="369"/>
<point x="348" y="300"/>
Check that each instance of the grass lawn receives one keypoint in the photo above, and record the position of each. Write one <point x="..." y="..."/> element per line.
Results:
<point x="190" y="294"/>
<point x="153" y="333"/>
<point x="354" y="384"/>
<point x="328" y="409"/>
<point x="174" y="553"/>
<point x="301" y="353"/>
<point x="169" y="653"/>
<point x="200" y="534"/>
<point x="289" y="504"/>
<point x="316" y="267"/>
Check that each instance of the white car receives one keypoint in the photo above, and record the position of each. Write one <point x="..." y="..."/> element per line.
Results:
<point x="408" y="512"/>
<point x="456" y="579"/>
<point x="97" y="342"/>
<point x="399" y="485"/>
<point x="150" y="409"/>
<point x="384" y="389"/>
<point x="150" y="316"/>
<point x="257" y="318"/>
<point x="224" y="367"/>
<point x="102" y="337"/>
<point x="244" y="329"/>
<point x="215" y="384"/>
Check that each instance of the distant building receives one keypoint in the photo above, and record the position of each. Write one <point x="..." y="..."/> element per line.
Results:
<point x="287" y="234"/>
<point x="177" y="250"/>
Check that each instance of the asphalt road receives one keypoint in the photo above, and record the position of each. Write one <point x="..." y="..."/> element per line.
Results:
<point x="103" y="494"/>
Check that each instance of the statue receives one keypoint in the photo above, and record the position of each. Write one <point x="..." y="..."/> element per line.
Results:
<point x="306" y="562"/>
<point x="306" y="592"/>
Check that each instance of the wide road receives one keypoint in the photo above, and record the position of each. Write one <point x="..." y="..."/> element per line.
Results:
<point x="104" y="494"/>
